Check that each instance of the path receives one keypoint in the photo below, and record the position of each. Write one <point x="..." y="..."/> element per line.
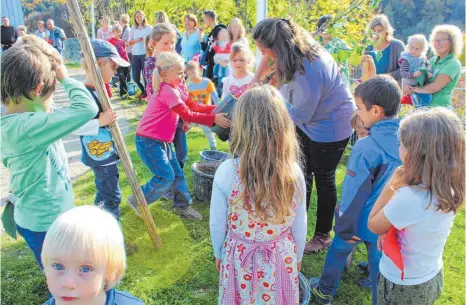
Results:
<point x="72" y="143"/>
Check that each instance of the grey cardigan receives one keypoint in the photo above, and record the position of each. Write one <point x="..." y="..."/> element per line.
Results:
<point x="397" y="47"/>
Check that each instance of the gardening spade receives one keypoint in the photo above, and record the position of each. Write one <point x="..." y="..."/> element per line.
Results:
<point x="88" y="53"/>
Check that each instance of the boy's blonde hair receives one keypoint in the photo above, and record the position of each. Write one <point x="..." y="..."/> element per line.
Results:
<point x="192" y="66"/>
<point x="87" y="233"/>
<point x="435" y="142"/>
<point x="165" y="61"/>
<point x="420" y="39"/>
<point x="454" y="35"/>
<point x="161" y="29"/>
<point x="29" y="62"/>
<point x="382" y="20"/>
<point x="116" y="28"/>
<point x="241" y="48"/>
<point x="264" y="136"/>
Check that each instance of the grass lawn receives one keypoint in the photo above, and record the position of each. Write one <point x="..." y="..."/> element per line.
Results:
<point x="183" y="271"/>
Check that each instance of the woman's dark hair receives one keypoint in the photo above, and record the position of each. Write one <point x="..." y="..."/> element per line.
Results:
<point x="322" y="20"/>
<point x="291" y="44"/>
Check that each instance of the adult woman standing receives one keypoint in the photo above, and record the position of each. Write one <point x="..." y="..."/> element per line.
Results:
<point x="191" y="39"/>
<point x="319" y="103"/>
<point x="41" y="31"/>
<point x="105" y="32"/>
<point x="138" y="33"/>
<point x="447" y="43"/>
<point x="386" y="51"/>
<point x="237" y="31"/>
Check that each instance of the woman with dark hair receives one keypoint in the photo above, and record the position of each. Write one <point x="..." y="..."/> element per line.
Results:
<point x="319" y="102"/>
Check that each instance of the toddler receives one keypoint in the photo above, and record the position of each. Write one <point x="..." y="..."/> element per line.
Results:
<point x="201" y="90"/>
<point x="119" y="44"/>
<point x="222" y="48"/>
<point x="84" y="259"/>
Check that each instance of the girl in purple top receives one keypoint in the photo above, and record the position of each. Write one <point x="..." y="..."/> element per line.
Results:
<point x="319" y="102"/>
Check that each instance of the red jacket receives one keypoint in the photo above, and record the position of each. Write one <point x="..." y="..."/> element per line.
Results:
<point x="120" y="46"/>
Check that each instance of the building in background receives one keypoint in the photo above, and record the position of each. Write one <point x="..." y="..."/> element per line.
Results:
<point x="13" y="10"/>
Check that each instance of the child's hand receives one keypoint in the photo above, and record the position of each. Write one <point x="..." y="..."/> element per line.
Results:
<point x="222" y="120"/>
<point x="218" y="262"/>
<point x="417" y="73"/>
<point x="354" y="240"/>
<point x="106" y="118"/>
<point x="380" y="241"/>
<point x="398" y="178"/>
<point x="186" y="126"/>
<point x="61" y="73"/>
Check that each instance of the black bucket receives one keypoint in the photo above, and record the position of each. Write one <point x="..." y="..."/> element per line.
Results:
<point x="214" y="155"/>
<point x="203" y="178"/>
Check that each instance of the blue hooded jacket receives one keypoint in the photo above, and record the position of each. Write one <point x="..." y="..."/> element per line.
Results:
<point x="371" y="164"/>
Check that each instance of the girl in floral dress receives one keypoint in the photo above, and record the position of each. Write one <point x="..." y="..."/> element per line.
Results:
<point x="258" y="218"/>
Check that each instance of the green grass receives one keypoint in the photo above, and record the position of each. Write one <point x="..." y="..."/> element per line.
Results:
<point x="183" y="271"/>
<point x="72" y="65"/>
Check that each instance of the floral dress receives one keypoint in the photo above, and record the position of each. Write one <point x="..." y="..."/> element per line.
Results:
<point x="258" y="259"/>
<point x="149" y="67"/>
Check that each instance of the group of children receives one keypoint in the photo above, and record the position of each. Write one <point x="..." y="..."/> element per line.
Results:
<point x="404" y="181"/>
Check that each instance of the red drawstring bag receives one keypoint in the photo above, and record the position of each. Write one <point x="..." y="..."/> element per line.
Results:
<point x="392" y="249"/>
<point x="406" y="100"/>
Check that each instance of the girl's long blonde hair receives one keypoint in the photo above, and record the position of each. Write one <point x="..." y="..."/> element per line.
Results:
<point x="435" y="142"/>
<point x="264" y="137"/>
<point x="165" y="61"/>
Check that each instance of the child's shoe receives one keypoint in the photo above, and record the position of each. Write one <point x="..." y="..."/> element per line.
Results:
<point x="189" y="212"/>
<point x="317" y="294"/>
<point x="132" y="204"/>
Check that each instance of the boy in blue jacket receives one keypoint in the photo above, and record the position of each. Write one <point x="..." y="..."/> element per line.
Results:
<point x="372" y="162"/>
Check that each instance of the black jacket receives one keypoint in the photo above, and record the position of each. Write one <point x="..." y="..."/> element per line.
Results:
<point x="9" y="35"/>
<point x="207" y="47"/>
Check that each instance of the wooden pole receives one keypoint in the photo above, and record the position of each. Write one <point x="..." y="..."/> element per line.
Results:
<point x="88" y="53"/>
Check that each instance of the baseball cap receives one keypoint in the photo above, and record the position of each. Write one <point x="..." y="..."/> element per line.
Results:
<point x="104" y="48"/>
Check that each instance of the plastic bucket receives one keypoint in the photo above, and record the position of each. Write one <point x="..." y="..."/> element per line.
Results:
<point x="203" y="178"/>
<point x="214" y="155"/>
<point x="304" y="290"/>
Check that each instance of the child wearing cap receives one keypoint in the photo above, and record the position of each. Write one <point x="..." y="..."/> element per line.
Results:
<point x="32" y="149"/>
<point x="84" y="259"/>
<point x="98" y="150"/>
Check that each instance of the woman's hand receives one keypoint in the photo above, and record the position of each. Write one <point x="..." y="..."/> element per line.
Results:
<point x="218" y="262"/>
<point x="222" y="120"/>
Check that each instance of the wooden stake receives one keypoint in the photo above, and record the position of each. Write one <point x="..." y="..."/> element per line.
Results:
<point x="91" y="62"/>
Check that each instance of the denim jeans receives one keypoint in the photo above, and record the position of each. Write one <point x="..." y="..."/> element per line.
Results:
<point x="107" y="183"/>
<point x="137" y="67"/>
<point x="335" y="263"/>
<point x="321" y="161"/>
<point x="181" y="144"/>
<point x="34" y="240"/>
<point x="168" y="175"/>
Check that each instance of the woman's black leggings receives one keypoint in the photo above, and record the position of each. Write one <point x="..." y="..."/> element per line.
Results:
<point x="321" y="161"/>
<point x="137" y="67"/>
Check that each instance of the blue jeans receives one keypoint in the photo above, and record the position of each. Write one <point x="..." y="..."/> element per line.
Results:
<point x="137" y="67"/>
<point x="168" y="175"/>
<point x="181" y="144"/>
<point x="34" y="240"/>
<point x="107" y="183"/>
<point x="335" y="263"/>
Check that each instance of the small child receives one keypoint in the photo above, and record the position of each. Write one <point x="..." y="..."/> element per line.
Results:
<point x="202" y="90"/>
<point x="222" y="48"/>
<point x="121" y="48"/>
<point x="149" y="66"/>
<point x="32" y="149"/>
<point x="372" y="161"/>
<point x="414" y="214"/>
<point x="258" y="219"/>
<point x="412" y="63"/>
<point x="98" y="150"/>
<point x="237" y="83"/>
<point x="156" y="132"/>
<point x="84" y="258"/>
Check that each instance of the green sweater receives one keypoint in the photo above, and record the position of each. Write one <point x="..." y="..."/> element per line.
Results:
<point x="34" y="154"/>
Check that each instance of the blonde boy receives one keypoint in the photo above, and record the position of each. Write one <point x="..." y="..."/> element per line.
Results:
<point x="84" y="258"/>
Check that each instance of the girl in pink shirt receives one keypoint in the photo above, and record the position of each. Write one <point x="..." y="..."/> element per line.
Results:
<point x="156" y="131"/>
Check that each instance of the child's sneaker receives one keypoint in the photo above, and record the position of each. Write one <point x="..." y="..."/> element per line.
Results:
<point x="317" y="294"/>
<point x="132" y="204"/>
<point x="189" y="212"/>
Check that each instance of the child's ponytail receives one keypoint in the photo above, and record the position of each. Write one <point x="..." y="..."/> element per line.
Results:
<point x="165" y="61"/>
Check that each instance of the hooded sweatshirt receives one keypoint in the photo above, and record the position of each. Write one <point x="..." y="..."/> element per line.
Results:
<point x="371" y="164"/>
